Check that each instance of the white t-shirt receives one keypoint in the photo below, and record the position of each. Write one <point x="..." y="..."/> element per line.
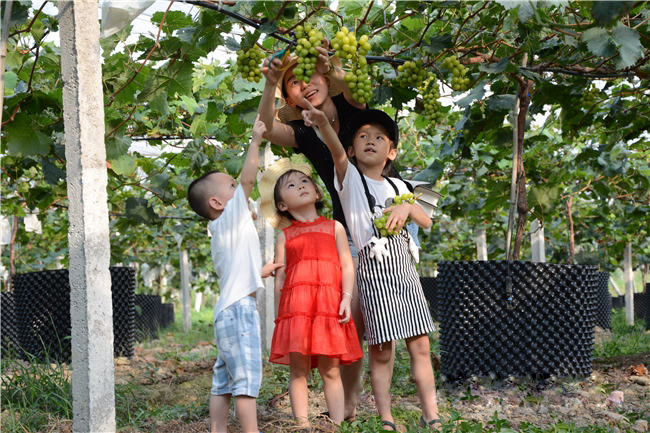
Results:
<point x="355" y="204"/>
<point x="236" y="252"/>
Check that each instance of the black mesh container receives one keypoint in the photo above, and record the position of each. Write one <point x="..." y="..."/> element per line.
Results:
<point x="167" y="315"/>
<point x="639" y="305"/>
<point x="604" y="302"/>
<point x="42" y="302"/>
<point x="123" y="295"/>
<point x="618" y="302"/>
<point x="429" y="289"/>
<point x="546" y="328"/>
<point x="147" y="316"/>
<point x="647" y="306"/>
<point x="43" y="313"/>
<point x="8" y="323"/>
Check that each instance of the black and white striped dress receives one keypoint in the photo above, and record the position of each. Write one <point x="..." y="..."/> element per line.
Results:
<point x="392" y="301"/>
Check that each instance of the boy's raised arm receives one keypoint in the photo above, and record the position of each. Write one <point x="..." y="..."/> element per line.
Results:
<point x="249" y="171"/>
<point x="316" y="117"/>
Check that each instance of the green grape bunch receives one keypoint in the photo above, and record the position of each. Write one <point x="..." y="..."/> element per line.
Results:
<point x="431" y="98"/>
<point x="458" y="80"/>
<point x="411" y="73"/>
<point x="588" y="99"/>
<point x="248" y="63"/>
<point x="380" y="222"/>
<point x="308" y="39"/>
<point x="347" y="47"/>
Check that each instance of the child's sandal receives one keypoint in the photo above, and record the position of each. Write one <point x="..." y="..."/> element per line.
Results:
<point x="430" y="424"/>
<point x="389" y="424"/>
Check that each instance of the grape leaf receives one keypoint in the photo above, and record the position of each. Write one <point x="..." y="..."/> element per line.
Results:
<point x="140" y="211"/>
<point x="598" y="41"/>
<point x="23" y="139"/>
<point x="629" y="43"/>
<point x="605" y="12"/>
<point x="124" y="165"/>
<point x="476" y="93"/>
<point x="438" y="43"/>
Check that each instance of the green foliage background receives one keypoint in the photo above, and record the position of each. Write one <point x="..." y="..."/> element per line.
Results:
<point x="162" y="88"/>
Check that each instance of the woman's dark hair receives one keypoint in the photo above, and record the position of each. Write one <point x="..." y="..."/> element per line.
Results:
<point x="389" y="169"/>
<point x="277" y="198"/>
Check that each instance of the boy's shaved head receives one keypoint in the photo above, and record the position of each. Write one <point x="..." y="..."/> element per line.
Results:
<point x="200" y="191"/>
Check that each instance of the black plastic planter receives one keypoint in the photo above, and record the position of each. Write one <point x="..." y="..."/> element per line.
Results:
<point x="42" y="301"/>
<point x="167" y="315"/>
<point x="123" y="296"/>
<point x="147" y="316"/>
<point x="604" y="302"/>
<point x="429" y="289"/>
<point x="8" y="324"/>
<point x="639" y="305"/>
<point x="647" y="306"/>
<point x="42" y="304"/>
<point x="618" y="302"/>
<point x="547" y="328"/>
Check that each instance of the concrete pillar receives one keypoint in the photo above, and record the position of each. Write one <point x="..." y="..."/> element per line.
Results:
<point x="198" y="301"/>
<point x="265" y="302"/>
<point x="629" y="284"/>
<point x="91" y="310"/>
<point x="185" y="291"/>
<point x="481" y="244"/>
<point x="537" y="241"/>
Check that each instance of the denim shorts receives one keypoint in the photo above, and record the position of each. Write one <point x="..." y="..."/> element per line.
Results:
<point x="238" y="370"/>
<point x="353" y="248"/>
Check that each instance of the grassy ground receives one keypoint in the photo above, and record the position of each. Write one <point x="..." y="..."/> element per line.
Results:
<point x="164" y="388"/>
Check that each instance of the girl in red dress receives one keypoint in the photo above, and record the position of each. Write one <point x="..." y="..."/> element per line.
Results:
<point x="313" y="291"/>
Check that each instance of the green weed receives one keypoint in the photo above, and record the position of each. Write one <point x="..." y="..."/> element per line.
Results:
<point x="626" y="339"/>
<point x="34" y="392"/>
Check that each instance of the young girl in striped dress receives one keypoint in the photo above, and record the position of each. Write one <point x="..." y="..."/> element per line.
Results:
<point x="392" y="302"/>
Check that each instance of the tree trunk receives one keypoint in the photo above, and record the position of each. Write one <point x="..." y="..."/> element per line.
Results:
<point x="522" y="201"/>
<point x="569" y="221"/>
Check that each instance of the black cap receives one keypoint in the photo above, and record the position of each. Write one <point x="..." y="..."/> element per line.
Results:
<point x="369" y="117"/>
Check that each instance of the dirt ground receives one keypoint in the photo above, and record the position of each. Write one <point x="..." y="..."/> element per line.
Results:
<point x="620" y="385"/>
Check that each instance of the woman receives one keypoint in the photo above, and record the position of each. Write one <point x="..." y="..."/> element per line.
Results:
<point x="324" y="92"/>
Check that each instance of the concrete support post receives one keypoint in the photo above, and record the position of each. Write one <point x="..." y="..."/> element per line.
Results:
<point x="198" y="301"/>
<point x="185" y="290"/>
<point x="629" y="284"/>
<point x="91" y="310"/>
<point x="265" y="301"/>
<point x="481" y="244"/>
<point x="537" y="241"/>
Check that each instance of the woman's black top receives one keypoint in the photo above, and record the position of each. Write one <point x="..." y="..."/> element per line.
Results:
<point x="317" y="152"/>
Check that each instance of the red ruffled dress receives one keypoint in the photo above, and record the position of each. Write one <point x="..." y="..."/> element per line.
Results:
<point x="308" y="315"/>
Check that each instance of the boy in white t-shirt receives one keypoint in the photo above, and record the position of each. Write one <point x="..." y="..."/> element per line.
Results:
<point x="238" y="263"/>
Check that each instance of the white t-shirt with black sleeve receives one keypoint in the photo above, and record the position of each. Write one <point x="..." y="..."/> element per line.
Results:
<point x="236" y="252"/>
<point x="355" y="204"/>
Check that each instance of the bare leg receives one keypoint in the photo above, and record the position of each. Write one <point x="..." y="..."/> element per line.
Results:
<point x="422" y="372"/>
<point x="332" y="387"/>
<point x="380" y="377"/>
<point x="351" y="373"/>
<point x="219" y="408"/>
<point x="298" y="392"/>
<point x="247" y="413"/>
